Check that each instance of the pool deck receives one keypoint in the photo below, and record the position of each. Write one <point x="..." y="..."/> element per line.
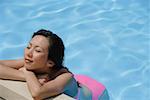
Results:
<point x="16" y="90"/>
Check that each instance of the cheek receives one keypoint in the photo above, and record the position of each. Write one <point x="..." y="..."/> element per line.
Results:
<point x="40" y="57"/>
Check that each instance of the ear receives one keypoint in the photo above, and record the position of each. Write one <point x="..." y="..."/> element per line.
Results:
<point x="50" y="63"/>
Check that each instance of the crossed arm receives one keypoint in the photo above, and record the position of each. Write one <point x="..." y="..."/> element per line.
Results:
<point x="9" y="70"/>
<point x="51" y="88"/>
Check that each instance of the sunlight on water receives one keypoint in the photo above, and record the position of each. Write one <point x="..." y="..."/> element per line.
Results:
<point x="105" y="39"/>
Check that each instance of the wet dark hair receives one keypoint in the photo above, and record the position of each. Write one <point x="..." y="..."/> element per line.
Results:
<point x="56" y="46"/>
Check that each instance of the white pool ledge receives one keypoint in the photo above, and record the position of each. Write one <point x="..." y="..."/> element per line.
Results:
<point x="15" y="90"/>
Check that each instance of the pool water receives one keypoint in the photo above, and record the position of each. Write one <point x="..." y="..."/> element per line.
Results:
<point x="107" y="40"/>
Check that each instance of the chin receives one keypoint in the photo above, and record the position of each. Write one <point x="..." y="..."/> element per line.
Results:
<point x="31" y="69"/>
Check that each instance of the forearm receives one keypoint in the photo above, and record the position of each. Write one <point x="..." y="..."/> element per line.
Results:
<point x="32" y="83"/>
<point x="18" y="63"/>
<point x="35" y="87"/>
<point x="11" y="73"/>
<point x="39" y="91"/>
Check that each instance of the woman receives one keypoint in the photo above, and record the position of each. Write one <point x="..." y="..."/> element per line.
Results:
<point x="42" y="67"/>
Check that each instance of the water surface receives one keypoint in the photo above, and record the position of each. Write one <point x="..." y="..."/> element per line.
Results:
<point x="105" y="39"/>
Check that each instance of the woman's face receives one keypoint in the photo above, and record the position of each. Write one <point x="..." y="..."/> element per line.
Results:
<point x="36" y="54"/>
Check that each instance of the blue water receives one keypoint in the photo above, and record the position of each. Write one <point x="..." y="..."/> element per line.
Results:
<point x="108" y="40"/>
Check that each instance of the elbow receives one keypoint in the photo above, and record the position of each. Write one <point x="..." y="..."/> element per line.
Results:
<point x="36" y="98"/>
<point x="36" y="94"/>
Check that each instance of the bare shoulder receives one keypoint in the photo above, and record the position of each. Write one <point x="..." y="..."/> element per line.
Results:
<point x="64" y="76"/>
<point x="56" y="86"/>
<point x="60" y="81"/>
<point x="63" y="79"/>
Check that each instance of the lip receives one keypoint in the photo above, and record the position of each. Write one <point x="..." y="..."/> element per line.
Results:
<point x="28" y="60"/>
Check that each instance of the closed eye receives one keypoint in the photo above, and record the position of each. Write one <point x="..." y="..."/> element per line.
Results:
<point x="38" y="50"/>
<point x="28" y="47"/>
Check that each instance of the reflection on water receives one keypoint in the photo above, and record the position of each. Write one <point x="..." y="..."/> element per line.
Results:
<point x="105" y="39"/>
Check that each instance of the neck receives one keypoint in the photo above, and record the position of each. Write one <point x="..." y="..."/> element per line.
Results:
<point x="41" y="76"/>
<point x="42" y="71"/>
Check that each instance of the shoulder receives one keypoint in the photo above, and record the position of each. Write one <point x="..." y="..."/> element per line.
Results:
<point x="61" y="80"/>
<point x="65" y="77"/>
<point x="59" y="83"/>
<point x="68" y="83"/>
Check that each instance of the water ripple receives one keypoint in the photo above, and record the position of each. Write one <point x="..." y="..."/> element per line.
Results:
<point x="107" y="37"/>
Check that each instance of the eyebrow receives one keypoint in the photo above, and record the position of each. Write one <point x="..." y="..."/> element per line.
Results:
<point x="35" y="45"/>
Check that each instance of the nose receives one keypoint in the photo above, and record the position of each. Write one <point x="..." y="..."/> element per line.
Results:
<point x="30" y="53"/>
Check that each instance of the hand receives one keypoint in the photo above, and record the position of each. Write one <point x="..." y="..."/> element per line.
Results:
<point x="23" y="69"/>
<point x="42" y="81"/>
<point x="26" y="72"/>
